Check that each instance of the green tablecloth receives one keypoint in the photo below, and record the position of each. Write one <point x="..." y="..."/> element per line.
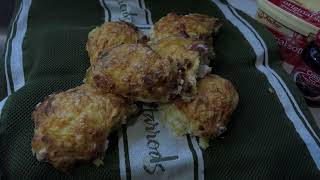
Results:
<point x="271" y="136"/>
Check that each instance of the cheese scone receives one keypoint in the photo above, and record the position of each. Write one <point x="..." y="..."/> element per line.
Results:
<point x="194" y="26"/>
<point x="73" y="125"/>
<point x="190" y="57"/>
<point x="136" y="72"/>
<point x="110" y="35"/>
<point x="208" y="114"/>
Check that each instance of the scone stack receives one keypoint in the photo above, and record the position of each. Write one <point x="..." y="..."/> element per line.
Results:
<point x="169" y="68"/>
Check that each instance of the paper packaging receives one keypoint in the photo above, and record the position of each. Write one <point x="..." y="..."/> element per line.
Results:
<point x="293" y="25"/>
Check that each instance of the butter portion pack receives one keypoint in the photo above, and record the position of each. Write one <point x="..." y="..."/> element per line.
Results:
<point x="294" y="24"/>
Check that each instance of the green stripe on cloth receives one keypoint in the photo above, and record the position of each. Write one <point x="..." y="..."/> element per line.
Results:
<point x="10" y="49"/>
<point x="3" y="84"/>
<point x="54" y="59"/>
<point x="5" y="72"/>
<point x="15" y="54"/>
<point x="255" y="80"/>
<point x="60" y="46"/>
<point x="261" y="141"/>
<point x="315" y="155"/>
<point x="106" y="10"/>
<point x="275" y="64"/>
<point x="292" y="100"/>
<point x="195" y="158"/>
<point x="296" y="94"/>
<point x="126" y="152"/>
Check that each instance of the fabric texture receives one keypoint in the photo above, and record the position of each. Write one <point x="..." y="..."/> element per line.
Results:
<point x="272" y="134"/>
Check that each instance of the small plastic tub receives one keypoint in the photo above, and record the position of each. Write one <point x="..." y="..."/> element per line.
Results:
<point x="295" y="25"/>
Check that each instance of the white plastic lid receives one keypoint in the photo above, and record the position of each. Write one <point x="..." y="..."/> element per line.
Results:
<point x="288" y="19"/>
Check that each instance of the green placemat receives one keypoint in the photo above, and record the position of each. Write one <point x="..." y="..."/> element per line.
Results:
<point x="271" y="136"/>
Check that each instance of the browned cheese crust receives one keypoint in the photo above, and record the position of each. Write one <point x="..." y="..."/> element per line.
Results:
<point x="73" y="126"/>
<point x="194" y="26"/>
<point x="210" y="111"/>
<point x="186" y="55"/>
<point x="136" y="72"/>
<point x="109" y="35"/>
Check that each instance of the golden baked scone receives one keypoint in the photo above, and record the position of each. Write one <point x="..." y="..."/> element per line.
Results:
<point x="110" y="35"/>
<point x="190" y="57"/>
<point x="73" y="125"/>
<point x="136" y="72"/>
<point x="208" y="114"/>
<point x="195" y="26"/>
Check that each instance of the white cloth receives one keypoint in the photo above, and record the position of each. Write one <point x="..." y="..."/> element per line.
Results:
<point x="247" y="6"/>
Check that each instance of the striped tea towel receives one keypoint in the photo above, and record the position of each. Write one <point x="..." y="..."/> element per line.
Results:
<point x="272" y="134"/>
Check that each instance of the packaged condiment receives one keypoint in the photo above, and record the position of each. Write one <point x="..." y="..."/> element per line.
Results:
<point x="306" y="73"/>
<point x="295" y="24"/>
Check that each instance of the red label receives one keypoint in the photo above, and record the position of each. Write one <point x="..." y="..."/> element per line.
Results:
<point x="291" y="47"/>
<point x="308" y="81"/>
<point x="298" y="11"/>
<point x="308" y="77"/>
